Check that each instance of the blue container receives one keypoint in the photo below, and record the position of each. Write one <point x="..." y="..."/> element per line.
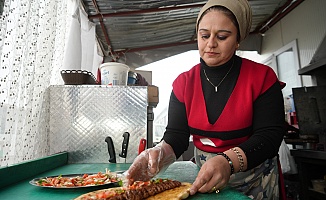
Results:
<point x="132" y="77"/>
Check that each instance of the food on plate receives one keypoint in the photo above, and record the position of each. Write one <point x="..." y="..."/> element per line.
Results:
<point x="80" y="181"/>
<point x="153" y="190"/>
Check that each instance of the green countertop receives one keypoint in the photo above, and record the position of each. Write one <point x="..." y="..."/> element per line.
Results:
<point x="184" y="171"/>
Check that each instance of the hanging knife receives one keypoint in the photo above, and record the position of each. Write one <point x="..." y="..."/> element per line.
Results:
<point x="125" y="144"/>
<point x="111" y="149"/>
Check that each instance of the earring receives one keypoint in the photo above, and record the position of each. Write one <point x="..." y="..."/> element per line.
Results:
<point x="238" y="45"/>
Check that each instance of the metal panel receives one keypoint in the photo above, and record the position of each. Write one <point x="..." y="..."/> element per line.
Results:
<point x="81" y="117"/>
<point x="310" y="105"/>
<point x="127" y="26"/>
<point x="308" y="30"/>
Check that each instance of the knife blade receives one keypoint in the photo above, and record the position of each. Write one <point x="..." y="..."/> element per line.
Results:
<point x="111" y="150"/>
<point x="125" y="144"/>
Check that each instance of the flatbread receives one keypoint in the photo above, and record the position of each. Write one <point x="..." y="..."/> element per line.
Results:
<point x="178" y="193"/>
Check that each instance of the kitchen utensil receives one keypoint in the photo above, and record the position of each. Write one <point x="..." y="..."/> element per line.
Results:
<point x="111" y="150"/>
<point x="125" y="144"/>
<point x="142" y="145"/>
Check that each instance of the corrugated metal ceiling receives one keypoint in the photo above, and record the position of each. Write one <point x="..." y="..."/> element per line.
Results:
<point x="127" y="26"/>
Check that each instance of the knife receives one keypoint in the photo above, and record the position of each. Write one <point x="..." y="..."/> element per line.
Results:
<point x="111" y="149"/>
<point x="125" y="144"/>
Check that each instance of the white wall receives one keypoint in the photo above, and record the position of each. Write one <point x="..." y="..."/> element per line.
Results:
<point x="307" y="24"/>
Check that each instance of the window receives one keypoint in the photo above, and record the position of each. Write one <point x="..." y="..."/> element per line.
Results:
<point x="287" y="63"/>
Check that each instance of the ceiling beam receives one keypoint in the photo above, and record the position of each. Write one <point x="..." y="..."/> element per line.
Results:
<point x="152" y="10"/>
<point x="107" y="39"/>
<point x="116" y="54"/>
<point x="155" y="47"/>
<point x="278" y="15"/>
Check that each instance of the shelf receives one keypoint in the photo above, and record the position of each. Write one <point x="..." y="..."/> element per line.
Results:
<point x="311" y="165"/>
<point x="311" y="154"/>
<point x="316" y="195"/>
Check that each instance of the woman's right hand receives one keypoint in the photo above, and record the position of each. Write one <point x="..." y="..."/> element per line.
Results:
<point x="215" y="173"/>
<point x="150" y="162"/>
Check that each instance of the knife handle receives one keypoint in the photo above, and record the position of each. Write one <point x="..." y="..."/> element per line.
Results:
<point x="142" y="145"/>
<point x="125" y="143"/>
<point x="111" y="149"/>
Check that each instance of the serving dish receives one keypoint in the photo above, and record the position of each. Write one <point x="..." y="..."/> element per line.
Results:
<point x="114" y="181"/>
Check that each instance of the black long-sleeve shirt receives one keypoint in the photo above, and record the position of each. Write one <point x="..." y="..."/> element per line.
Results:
<point x="268" y="115"/>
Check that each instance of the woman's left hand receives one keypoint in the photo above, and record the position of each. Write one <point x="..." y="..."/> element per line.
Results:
<point x="214" y="174"/>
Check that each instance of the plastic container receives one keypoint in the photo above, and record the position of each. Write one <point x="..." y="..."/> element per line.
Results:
<point x="132" y="78"/>
<point x="113" y="73"/>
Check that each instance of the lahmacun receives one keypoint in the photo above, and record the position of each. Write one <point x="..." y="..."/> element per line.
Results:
<point x="152" y="190"/>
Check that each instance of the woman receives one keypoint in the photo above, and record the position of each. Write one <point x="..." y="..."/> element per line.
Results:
<point x="232" y="107"/>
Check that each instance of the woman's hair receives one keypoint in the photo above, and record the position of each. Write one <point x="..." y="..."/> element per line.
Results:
<point x="227" y="12"/>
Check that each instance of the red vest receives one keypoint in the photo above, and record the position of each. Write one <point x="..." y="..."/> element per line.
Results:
<point x="254" y="79"/>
